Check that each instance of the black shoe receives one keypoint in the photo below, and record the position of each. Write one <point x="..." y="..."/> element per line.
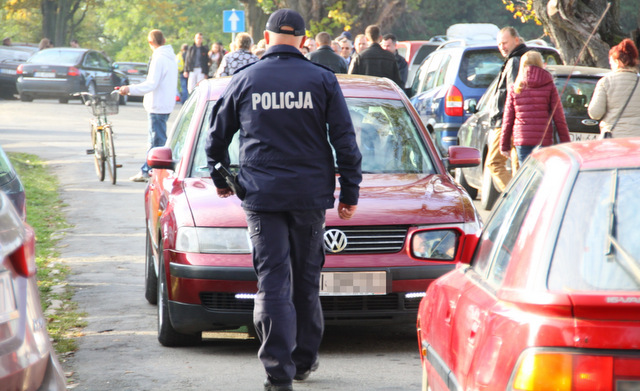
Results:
<point x="304" y="374"/>
<point x="276" y="387"/>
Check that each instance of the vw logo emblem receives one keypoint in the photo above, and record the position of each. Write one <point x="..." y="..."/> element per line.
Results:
<point x="335" y="241"/>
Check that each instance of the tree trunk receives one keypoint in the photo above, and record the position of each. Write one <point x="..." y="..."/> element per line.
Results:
<point x="255" y="20"/>
<point x="570" y="23"/>
<point x="48" y="9"/>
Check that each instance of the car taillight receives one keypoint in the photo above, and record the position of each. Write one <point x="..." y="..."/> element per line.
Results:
<point x="73" y="71"/>
<point x="19" y="69"/>
<point x="23" y="260"/>
<point x="453" y="102"/>
<point x="560" y="371"/>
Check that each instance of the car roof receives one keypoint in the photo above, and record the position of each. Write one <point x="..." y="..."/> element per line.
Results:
<point x="564" y="70"/>
<point x="353" y="86"/>
<point x="597" y="154"/>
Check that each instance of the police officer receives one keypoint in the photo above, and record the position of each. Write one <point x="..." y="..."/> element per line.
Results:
<point x="289" y="112"/>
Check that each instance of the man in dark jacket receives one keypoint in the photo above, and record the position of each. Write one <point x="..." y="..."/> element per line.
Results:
<point x="196" y="67"/>
<point x="389" y="43"/>
<point x="375" y="61"/>
<point x="290" y="112"/>
<point x="512" y="48"/>
<point x="325" y="55"/>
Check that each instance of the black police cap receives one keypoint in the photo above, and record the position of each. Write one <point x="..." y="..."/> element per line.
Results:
<point x="286" y="17"/>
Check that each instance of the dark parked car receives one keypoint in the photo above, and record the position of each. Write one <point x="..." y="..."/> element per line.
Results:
<point x="136" y="73"/>
<point x="407" y="232"/>
<point x="551" y="298"/>
<point x="27" y="358"/>
<point x="575" y="84"/>
<point x="453" y="73"/>
<point x="60" y="72"/>
<point x="10" y="58"/>
<point x="11" y="185"/>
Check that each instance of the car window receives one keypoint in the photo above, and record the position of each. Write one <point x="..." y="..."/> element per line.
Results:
<point x="179" y="135"/>
<point x="599" y="200"/>
<point x="6" y="170"/>
<point x="576" y="95"/>
<point x="502" y="229"/>
<point x="389" y="140"/>
<point x="478" y="68"/>
<point x="442" y="70"/>
<point x="423" y="52"/>
<point x="56" y="56"/>
<point x="92" y="60"/>
<point x="102" y="61"/>
<point x="428" y="77"/>
<point x="133" y="69"/>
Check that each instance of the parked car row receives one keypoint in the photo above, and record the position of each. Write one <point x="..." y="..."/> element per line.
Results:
<point x="10" y="58"/>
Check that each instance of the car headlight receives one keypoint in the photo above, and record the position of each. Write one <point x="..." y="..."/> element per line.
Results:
<point x="435" y="244"/>
<point x="213" y="240"/>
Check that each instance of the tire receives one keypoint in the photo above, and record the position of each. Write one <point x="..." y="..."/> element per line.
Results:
<point x="110" y="153"/>
<point x="26" y="98"/>
<point x="167" y="335"/>
<point x="459" y="176"/>
<point x="63" y="100"/>
<point x="150" y="276"/>
<point x="489" y="194"/>
<point x="98" y="152"/>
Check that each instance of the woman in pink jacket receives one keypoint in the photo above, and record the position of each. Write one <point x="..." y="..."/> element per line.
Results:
<point x="530" y="103"/>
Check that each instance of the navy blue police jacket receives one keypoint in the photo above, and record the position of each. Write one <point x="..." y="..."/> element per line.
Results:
<point x="289" y="112"/>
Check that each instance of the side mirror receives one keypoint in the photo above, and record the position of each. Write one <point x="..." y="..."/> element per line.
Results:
<point x="114" y="65"/>
<point x="469" y="245"/>
<point x="470" y="106"/>
<point x="460" y="157"/>
<point x="161" y="158"/>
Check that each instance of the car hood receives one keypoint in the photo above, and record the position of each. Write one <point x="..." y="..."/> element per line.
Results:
<point x="385" y="199"/>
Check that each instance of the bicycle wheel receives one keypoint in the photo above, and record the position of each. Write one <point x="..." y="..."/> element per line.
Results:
<point x="110" y="152"/>
<point x="96" y="142"/>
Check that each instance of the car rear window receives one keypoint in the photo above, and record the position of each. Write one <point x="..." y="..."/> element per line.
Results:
<point x="56" y="56"/>
<point x="389" y="140"/>
<point x="133" y="69"/>
<point x="478" y="68"/>
<point x="423" y="52"/>
<point x="576" y="94"/>
<point x="597" y="247"/>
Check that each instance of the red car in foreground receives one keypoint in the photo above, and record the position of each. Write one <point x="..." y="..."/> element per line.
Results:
<point x="412" y="219"/>
<point x="551" y="298"/>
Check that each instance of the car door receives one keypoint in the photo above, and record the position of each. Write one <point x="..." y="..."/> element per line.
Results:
<point x="479" y="317"/>
<point x="104" y="80"/>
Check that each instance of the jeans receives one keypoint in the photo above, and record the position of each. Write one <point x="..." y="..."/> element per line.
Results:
<point x="184" y="92"/>
<point x="288" y="255"/>
<point x="523" y="152"/>
<point x="157" y="135"/>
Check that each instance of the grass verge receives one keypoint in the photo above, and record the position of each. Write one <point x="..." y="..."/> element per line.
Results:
<point x="45" y="215"/>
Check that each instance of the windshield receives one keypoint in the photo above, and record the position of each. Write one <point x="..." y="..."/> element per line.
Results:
<point x="56" y="56"/>
<point x="389" y="140"/>
<point x="604" y="205"/>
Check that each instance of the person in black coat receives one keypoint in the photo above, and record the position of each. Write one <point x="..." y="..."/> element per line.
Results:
<point x="326" y="56"/>
<point x="196" y="67"/>
<point x="389" y="42"/>
<point x="375" y="61"/>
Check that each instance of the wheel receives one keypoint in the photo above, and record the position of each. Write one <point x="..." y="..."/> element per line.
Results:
<point x="150" y="276"/>
<point x="98" y="153"/>
<point x="489" y="194"/>
<point x="63" y="100"/>
<point x="26" y="98"/>
<point x="459" y="176"/>
<point x="167" y="335"/>
<point x="110" y="153"/>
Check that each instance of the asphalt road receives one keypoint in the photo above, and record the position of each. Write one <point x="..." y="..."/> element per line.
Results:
<point x="118" y="350"/>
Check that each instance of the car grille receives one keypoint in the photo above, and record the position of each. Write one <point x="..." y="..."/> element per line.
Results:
<point x="373" y="240"/>
<point x="220" y="301"/>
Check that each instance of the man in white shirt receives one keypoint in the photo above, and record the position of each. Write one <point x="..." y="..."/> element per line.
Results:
<point x="159" y="90"/>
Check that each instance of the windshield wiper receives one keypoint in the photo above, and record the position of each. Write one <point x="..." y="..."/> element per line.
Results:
<point x="613" y="247"/>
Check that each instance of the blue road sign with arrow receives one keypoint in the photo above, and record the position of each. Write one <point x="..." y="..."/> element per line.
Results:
<point x="232" y="21"/>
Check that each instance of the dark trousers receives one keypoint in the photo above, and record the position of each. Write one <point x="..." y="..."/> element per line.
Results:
<point x="287" y="256"/>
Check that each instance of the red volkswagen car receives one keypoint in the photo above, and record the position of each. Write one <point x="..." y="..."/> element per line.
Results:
<point x="411" y="222"/>
<point x="551" y="299"/>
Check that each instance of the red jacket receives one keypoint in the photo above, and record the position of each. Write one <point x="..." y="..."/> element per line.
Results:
<point x="526" y="114"/>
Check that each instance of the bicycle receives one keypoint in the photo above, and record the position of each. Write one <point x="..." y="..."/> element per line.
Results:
<point x="103" y="150"/>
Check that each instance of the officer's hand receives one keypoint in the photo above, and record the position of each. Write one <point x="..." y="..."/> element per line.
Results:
<point x="225" y="192"/>
<point x="346" y="211"/>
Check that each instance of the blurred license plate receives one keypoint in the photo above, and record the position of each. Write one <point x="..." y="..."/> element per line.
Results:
<point x="45" y="74"/>
<point x="583" y="136"/>
<point x="353" y="283"/>
<point x="627" y="385"/>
